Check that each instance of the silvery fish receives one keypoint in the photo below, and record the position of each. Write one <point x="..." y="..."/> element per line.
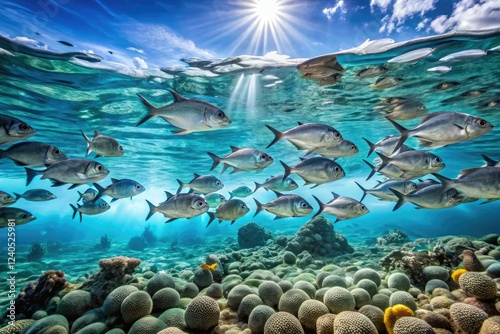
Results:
<point x="13" y="129"/>
<point x="103" y="146"/>
<point x="492" y="103"/>
<point x="444" y="128"/>
<point x="242" y="159"/>
<point x="405" y="110"/>
<point x="386" y="82"/>
<point x="320" y="72"/>
<point x="229" y="210"/>
<point x="473" y="93"/>
<point x="202" y="184"/>
<point x="386" y="146"/>
<point x="439" y="69"/>
<point x="33" y="153"/>
<point x="319" y="64"/>
<point x="90" y="209"/>
<point x="187" y="115"/>
<point x="345" y="148"/>
<point x="179" y="206"/>
<point x="214" y="200"/>
<point x="242" y="191"/>
<point x="412" y="56"/>
<point x="391" y="101"/>
<point x="119" y="189"/>
<point x="285" y="206"/>
<point x="6" y="199"/>
<point x="309" y="135"/>
<point x="383" y="189"/>
<point x="424" y="183"/>
<point x="277" y="183"/>
<point x="88" y="196"/>
<point x="36" y="195"/>
<point x="315" y="170"/>
<point x="20" y="216"/>
<point x="342" y="207"/>
<point x="475" y="182"/>
<point x="371" y="72"/>
<point x="389" y="170"/>
<point x="429" y="197"/>
<point x="414" y="163"/>
<point x="72" y="171"/>
<point x="490" y="162"/>
<point x="447" y="85"/>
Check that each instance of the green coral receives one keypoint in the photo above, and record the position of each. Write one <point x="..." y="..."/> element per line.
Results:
<point x="349" y="322"/>
<point x="398" y="281"/>
<point x="258" y="318"/>
<point x="309" y="312"/>
<point x="202" y="313"/>
<point x="114" y="300"/>
<point x="147" y="325"/>
<point x="291" y="300"/>
<point x="174" y="317"/>
<point x="159" y="281"/>
<point x="283" y="322"/>
<point x="237" y="294"/>
<point x="135" y="306"/>
<point x="74" y="304"/>
<point x="367" y="273"/>
<point x="49" y="321"/>
<point x="165" y="298"/>
<point x="270" y="292"/>
<point x="338" y="299"/>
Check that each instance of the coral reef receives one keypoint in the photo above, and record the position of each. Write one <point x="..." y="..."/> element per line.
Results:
<point x="104" y="244"/>
<point x="149" y="236"/>
<point x="36" y="252"/>
<point x="395" y="237"/>
<point x="137" y="243"/>
<point x="252" y="235"/>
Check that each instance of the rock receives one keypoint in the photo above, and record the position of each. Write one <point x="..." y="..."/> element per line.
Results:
<point x="252" y="235"/>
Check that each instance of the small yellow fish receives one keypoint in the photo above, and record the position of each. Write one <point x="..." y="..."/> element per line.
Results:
<point x="209" y="266"/>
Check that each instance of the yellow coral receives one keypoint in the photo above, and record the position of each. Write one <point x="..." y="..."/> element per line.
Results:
<point x="392" y="314"/>
<point x="457" y="273"/>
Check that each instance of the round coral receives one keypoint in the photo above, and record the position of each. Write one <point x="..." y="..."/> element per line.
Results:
<point x="368" y="274"/>
<point x="406" y="325"/>
<point x="437" y="320"/>
<point x="135" y="306"/>
<point x="202" y="313"/>
<point x="478" y="285"/>
<point x="381" y="301"/>
<point x="309" y="312"/>
<point x="324" y="324"/>
<point x="399" y="281"/>
<point x="270" y="292"/>
<point x="369" y="286"/>
<point x="333" y="281"/>
<point x="74" y="304"/>
<point x="159" y="281"/>
<point x="349" y="322"/>
<point x="375" y="315"/>
<point x="203" y="278"/>
<point x="49" y="321"/>
<point x="404" y="298"/>
<point x="114" y="300"/>
<point x="283" y="322"/>
<point x="258" y="318"/>
<point x="190" y="290"/>
<point x="320" y="277"/>
<point x="435" y="272"/>
<point x="147" y="325"/>
<point x="434" y="284"/>
<point x="214" y="291"/>
<point x="92" y="316"/>
<point x="338" y="299"/>
<point x="392" y="314"/>
<point x="171" y="330"/>
<point x="491" y="326"/>
<point x="441" y="302"/>
<point x="165" y="298"/>
<point x="289" y="258"/>
<point x="174" y="317"/>
<point x="96" y="327"/>
<point x="237" y="294"/>
<point x="285" y="285"/>
<point x="291" y="300"/>
<point x="361" y="296"/>
<point x="307" y="287"/>
<point x="471" y="262"/>
<point x="248" y="303"/>
<point x="467" y="317"/>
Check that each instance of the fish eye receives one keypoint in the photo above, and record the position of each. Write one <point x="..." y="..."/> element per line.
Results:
<point x="263" y="156"/>
<point x="120" y="148"/>
<point x="220" y="114"/>
<point x="482" y="122"/>
<point x="8" y="197"/>
<point x="218" y="183"/>
<point x="24" y="127"/>
<point x="137" y="187"/>
<point x="199" y="203"/>
<point x="363" y="207"/>
<point x="337" y="135"/>
<point x="48" y="194"/>
<point x="24" y="216"/>
<point x="243" y="205"/>
<point x="438" y="159"/>
<point x="99" y="168"/>
<point x="57" y="151"/>
<point x="304" y="205"/>
<point x="337" y="168"/>
<point x="353" y="147"/>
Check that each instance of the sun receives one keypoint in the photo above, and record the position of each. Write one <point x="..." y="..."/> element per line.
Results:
<point x="267" y="11"/>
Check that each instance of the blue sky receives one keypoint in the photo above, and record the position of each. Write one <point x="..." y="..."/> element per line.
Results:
<point x="159" y="33"/>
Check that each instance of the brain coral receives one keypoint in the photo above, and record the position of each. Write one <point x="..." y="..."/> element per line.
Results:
<point x="338" y="299"/>
<point x="491" y="326"/>
<point x="147" y="325"/>
<point x="159" y="281"/>
<point x="333" y="280"/>
<point x="467" y="317"/>
<point x="375" y="315"/>
<point x="285" y="285"/>
<point x="361" y="296"/>
<point x="349" y="322"/>
<point x="174" y="317"/>
<point x="190" y="290"/>
<point x="248" y="303"/>
<point x="203" y="278"/>
<point x="324" y="324"/>
<point x="17" y="326"/>
<point x="307" y="287"/>
<point x="135" y="306"/>
<point x="437" y="320"/>
<point x="114" y="300"/>
<point x="381" y="301"/>
<point x="214" y="291"/>
<point x="478" y="285"/>
<point x="74" y="304"/>
<point x="404" y="298"/>
<point x="435" y="283"/>
<point x="202" y="313"/>
<point x="96" y="327"/>
<point x="398" y="281"/>
<point x="309" y="312"/>
<point x="369" y="286"/>
<point x="165" y="298"/>
<point x="283" y="322"/>
<point x="92" y="316"/>
<point x="368" y="274"/>
<point x="406" y="325"/>
<point x="289" y="258"/>
<point x="49" y="321"/>
<point x="291" y="300"/>
<point x="171" y="330"/>
<point x="270" y="292"/>
<point x="258" y="318"/>
<point x="237" y="294"/>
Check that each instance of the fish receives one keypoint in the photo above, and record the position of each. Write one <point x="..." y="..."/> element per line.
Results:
<point x="424" y="183"/>
<point x="414" y="163"/>
<point x="406" y="110"/>
<point x="473" y="93"/>
<point x="444" y="128"/>
<point x="90" y="209"/>
<point x="66" y="43"/>
<point x="393" y="100"/>
<point x="320" y="72"/>
<point x="242" y="159"/>
<point x="187" y="115"/>
<point x="103" y="146"/>
<point x="440" y="69"/>
<point x="13" y="129"/>
<point x="382" y="190"/>
<point x="386" y="146"/>
<point x="119" y="189"/>
<point x="371" y="72"/>
<point x="320" y="64"/>
<point x="229" y="210"/>
<point x="34" y="154"/>
<point x="88" y="196"/>
<point x="214" y="200"/>
<point x="389" y="170"/>
<point x="482" y="182"/>
<point x="309" y="135"/>
<point x="179" y="206"/>
<point x="345" y="148"/>
<point x="73" y="171"/>
<point x="492" y="103"/>
<point x="412" y="56"/>
<point x="429" y="197"/>
<point x="285" y="206"/>
<point x="490" y="162"/>
<point x="6" y="199"/>
<point x="203" y="184"/>
<point x="341" y="207"/>
<point x="242" y="191"/>
<point x="19" y="216"/>
<point x="446" y="85"/>
<point x="386" y="82"/>
<point x="277" y="183"/>
<point x="36" y="195"/>
<point x="210" y="267"/>
<point x="315" y="170"/>
<point x="464" y="55"/>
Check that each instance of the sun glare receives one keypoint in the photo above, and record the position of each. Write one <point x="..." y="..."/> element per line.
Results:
<point x="267" y="10"/>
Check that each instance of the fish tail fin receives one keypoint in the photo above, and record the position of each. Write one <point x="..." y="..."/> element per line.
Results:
<point x="288" y="170"/>
<point x="446" y="183"/>
<point x="75" y="210"/>
<point x="181" y="186"/>
<point x="259" y="207"/>
<point x="364" y="191"/>
<point x="152" y="209"/>
<point x="216" y="160"/>
<point x="321" y="206"/>
<point x="372" y="168"/>
<point x="402" y="199"/>
<point x="17" y="196"/>
<point x="278" y="135"/>
<point x="100" y="191"/>
<point x="372" y="146"/>
<point x="212" y="217"/>
<point x="257" y="186"/>
<point x="489" y="162"/>
<point x="231" y="195"/>
<point x="404" y="134"/>
<point x="30" y="174"/>
<point x="80" y="194"/>
<point x="88" y="141"/>
<point x="152" y="110"/>
<point x="385" y="160"/>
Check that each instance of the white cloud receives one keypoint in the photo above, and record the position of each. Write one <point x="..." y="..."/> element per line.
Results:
<point x="30" y="42"/>
<point x="140" y="63"/>
<point x="400" y="11"/>
<point x="135" y="49"/>
<point x="421" y="25"/>
<point x="340" y="6"/>
<point x="469" y="15"/>
<point x="381" y="4"/>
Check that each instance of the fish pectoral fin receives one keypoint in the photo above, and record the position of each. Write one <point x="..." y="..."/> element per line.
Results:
<point x="73" y="186"/>
<point x="81" y="176"/>
<point x="235" y="170"/>
<point x="56" y="183"/>
<point x="115" y="199"/>
<point x="489" y="200"/>
<point x="278" y="217"/>
<point x="181" y="131"/>
<point x="170" y="220"/>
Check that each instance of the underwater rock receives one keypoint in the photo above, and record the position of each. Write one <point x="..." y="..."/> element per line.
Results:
<point x="114" y="272"/>
<point x="252" y="235"/>
<point x="318" y="238"/>
<point x="395" y="237"/>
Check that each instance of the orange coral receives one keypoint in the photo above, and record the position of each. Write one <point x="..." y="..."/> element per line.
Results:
<point x="457" y="273"/>
<point x="392" y="314"/>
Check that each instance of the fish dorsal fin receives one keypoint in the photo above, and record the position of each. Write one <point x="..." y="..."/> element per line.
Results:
<point x="114" y="180"/>
<point x="177" y="97"/>
<point x="379" y="182"/>
<point x="430" y="116"/>
<point x="169" y="194"/>
<point x="302" y="158"/>
<point x="278" y="194"/>
<point x="97" y="133"/>
<point x="335" y="196"/>
<point x="467" y="171"/>
<point x="196" y="175"/>
<point x="300" y="123"/>
<point x="234" y="148"/>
